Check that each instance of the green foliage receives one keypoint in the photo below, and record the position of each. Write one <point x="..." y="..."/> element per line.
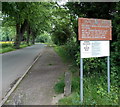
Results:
<point x="9" y="47"/>
<point x="27" y="16"/>
<point x="115" y="47"/>
<point x="44" y="38"/>
<point x="62" y="29"/>
<point x="60" y="35"/>
<point x="59" y="86"/>
<point x="23" y="45"/>
<point x="75" y="84"/>
<point x="91" y="9"/>
<point x="72" y="48"/>
<point x="6" y="49"/>
<point x="73" y="68"/>
<point x="68" y="51"/>
<point x="71" y="100"/>
<point x="95" y="83"/>
<point x="98" y="90"/>
<point x="92" y="64"/>
<point x="7" y="33"/>
<point x="62" y="52"/>
<point x="95" y="92"/>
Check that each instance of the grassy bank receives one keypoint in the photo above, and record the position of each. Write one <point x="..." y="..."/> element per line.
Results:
<point x="61" y="51"/>
<point x="95" y="85"/>
<point x="7" y="47"/>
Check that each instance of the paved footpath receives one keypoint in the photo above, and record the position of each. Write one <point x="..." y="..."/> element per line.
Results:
<point x="37" y="86"/>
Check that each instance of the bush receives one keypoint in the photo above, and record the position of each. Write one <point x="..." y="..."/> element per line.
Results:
<point x="59" y="86"/>
<point x="72" y="47"/>
<point x="7" y="45"/>
<point x="95" y="92"/>
<point x="73" y="99"/>
<point x="75" y="84"/>
<point x="61" y="33"/>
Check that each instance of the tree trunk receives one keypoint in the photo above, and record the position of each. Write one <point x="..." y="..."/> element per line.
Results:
<point x="23" y="28"/>
<point x="20" y="30"/>
<point x="28" y="35"/>
<point x="17" y="39"/>
<point x="28" y="39"/>
<point x="33" y="39"/>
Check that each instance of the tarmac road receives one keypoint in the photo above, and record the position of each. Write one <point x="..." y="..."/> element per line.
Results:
<point x="15" y="63"/>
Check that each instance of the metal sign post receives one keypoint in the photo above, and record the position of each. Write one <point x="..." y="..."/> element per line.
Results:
<point x="81" y="79"/>
<point x="108" y="73"/>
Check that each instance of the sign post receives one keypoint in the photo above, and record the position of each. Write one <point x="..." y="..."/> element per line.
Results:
<point x="108" y="73"/>
<point x="94" y="36"/>
<point x="81" y="79"/>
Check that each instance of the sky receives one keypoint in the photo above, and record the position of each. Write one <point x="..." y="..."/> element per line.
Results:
<point x="62" y="2"/>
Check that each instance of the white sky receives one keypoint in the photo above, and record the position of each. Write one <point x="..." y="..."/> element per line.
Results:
<point x="62" y="2"/>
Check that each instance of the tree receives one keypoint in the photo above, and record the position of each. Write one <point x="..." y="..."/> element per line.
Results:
<point x="15" y="11"/>
<point x="115" y="47"/>
<point x="62" y="29"/>
<point x="27" y="16"/>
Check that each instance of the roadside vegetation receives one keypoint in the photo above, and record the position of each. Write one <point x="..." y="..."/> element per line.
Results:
<point x="52" y="23"/>
<point x="95" y="69"/>
<point x="95" y="83"/>
<point x="6" y="48"/>
<point x="9" y="46"/>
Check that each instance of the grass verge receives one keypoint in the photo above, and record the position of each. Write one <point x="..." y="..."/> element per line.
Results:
<point x="61" y="51"/>
<point x="59" y="86"/>
<point x="9" y="47"/>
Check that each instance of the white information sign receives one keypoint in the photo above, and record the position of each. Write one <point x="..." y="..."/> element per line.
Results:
<point x="94" y="49"/>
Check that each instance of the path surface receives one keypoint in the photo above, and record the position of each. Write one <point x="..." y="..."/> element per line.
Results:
<point x="15" y="63"/>
<point x="37" y="86"/>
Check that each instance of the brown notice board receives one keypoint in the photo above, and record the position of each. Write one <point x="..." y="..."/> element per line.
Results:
<point x="94" y="29"/>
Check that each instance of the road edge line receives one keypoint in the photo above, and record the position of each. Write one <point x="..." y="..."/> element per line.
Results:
<point x="18" y="82"/>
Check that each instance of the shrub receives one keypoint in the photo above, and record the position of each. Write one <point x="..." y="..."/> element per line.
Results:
<point x="6" y="45"/>
<point x="72" y="48"/>
<point x="59" y="86"/>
